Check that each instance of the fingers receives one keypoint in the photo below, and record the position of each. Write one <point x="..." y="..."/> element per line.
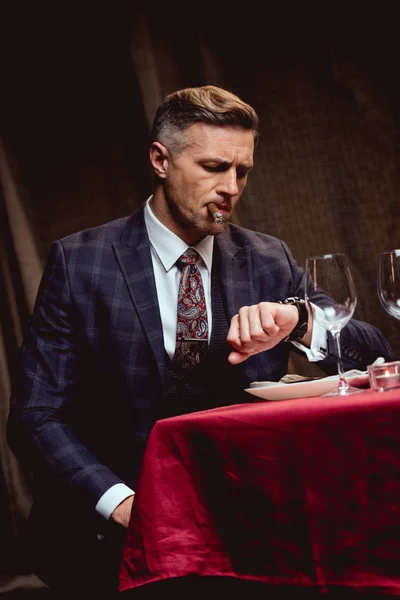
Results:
<point x="252" y="323"/>
<point x="252" y="326"/>
<point x="268" y="321"/>
<point x="258" y="328"/>
<point x="237" y="357"/>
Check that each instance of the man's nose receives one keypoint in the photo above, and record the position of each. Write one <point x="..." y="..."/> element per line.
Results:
<point x="228" y="183"/>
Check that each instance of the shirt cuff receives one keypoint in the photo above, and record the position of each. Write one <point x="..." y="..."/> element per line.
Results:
<point x="319" y="341"/>
<point x="111" y="498"/>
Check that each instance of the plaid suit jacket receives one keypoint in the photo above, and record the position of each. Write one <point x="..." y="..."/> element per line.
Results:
<point x="93" y="360"/>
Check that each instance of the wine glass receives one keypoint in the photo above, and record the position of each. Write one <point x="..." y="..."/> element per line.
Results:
<point x="389" y="282"/>
<point x="331" y="299"/>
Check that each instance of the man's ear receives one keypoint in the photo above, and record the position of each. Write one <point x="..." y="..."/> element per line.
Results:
<point x="159" y="159"/>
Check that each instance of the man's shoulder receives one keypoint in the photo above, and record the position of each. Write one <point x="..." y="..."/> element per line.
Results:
<point x="255" y="240"/>
<point x="96" y="245"/>
<point x="104" y="234"/>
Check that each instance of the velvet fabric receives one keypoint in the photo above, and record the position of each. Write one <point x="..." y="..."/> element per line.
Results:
<point x="302" y="493"/>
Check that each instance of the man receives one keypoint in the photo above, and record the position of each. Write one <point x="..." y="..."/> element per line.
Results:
<point x="104" y="355"/>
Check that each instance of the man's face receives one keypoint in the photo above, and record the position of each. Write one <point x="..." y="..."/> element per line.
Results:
<point x="213" y="167"/>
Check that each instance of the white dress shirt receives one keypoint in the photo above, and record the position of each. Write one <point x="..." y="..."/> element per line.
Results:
<point x="166" y="248"/>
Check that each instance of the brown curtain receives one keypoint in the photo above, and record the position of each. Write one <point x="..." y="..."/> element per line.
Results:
<point x="79" y="92"/>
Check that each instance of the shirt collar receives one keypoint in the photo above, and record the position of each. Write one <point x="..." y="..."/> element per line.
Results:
<point x="168" y="246"/>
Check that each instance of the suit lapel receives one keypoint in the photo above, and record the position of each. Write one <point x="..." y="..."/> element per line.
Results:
<point x="236" y="275"/>
<point x="134" y="257"/>
<point x="237" y="284"/>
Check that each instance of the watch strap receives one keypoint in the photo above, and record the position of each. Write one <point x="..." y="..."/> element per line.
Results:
<point x="301" y="328"/>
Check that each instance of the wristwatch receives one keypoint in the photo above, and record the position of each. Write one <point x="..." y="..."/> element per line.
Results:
<point x="301" y="328"/>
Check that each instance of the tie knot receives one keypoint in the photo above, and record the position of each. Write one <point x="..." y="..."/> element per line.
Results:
<point x="189" y="257"/>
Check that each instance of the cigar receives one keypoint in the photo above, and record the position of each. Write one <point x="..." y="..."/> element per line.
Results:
<point x="213" y="210"/>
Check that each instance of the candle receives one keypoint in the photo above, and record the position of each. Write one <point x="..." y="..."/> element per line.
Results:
<point x="384" y="377"/>
<point x="389" y="380"/>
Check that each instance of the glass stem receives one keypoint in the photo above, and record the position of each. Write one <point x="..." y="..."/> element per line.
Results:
<point x="342" y="385"/>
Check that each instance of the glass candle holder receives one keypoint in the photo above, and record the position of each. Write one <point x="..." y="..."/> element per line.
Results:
<point x="384" y="377"/>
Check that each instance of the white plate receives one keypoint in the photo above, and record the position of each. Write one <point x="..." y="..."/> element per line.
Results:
<point x="269" y="390"/>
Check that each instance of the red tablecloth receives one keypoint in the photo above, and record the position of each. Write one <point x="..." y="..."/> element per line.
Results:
<point x="302" y="492"/>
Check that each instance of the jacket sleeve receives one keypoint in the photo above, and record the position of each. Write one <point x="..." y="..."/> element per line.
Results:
<point x="39" y="427"/>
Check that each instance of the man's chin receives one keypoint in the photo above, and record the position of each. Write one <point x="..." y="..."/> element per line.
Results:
<point x="206" y="227"/>
<point x="213" y="229"/>
<point x="218" y="229"/>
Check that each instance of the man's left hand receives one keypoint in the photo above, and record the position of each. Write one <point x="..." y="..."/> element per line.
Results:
<point x="260" y="327"/>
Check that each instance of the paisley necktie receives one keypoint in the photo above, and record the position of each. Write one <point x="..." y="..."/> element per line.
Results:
<point x="192" y="324"/>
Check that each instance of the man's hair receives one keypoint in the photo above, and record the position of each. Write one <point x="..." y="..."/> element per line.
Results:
<point x="206" y="104"/>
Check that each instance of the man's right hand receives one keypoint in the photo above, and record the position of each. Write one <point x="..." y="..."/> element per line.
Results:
<point x="121" y="515"/>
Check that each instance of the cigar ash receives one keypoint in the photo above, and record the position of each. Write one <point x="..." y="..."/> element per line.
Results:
<point x="217" y="216"/>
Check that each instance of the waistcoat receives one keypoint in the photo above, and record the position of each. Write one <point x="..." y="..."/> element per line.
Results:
<point x="214" y="382"/>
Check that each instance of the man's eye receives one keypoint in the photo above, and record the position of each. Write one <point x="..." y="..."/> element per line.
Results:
<point x="241" y="174"/>
<point x="215" y="168"/>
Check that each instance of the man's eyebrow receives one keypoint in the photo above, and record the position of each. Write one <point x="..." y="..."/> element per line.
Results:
<point x="227" y="163"/>
<point x="217" y="159"/>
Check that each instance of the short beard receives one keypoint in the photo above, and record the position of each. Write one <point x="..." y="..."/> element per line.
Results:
<point x="190" y="224"/>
